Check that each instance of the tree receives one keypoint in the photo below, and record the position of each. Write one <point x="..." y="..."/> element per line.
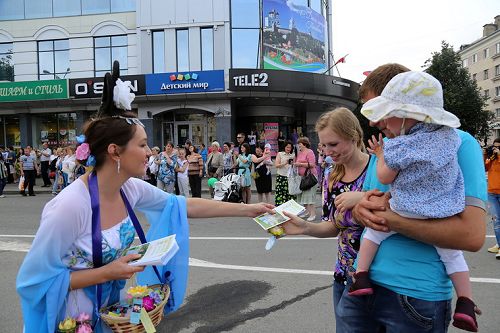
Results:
<point x="6" y="68"/>
<point x="462" y="96"/>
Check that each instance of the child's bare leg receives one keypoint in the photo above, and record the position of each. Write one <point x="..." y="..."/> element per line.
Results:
<point x="261" y="197"/>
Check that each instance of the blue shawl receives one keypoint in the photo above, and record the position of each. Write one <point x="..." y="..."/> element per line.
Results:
<point x="43" y="279"/>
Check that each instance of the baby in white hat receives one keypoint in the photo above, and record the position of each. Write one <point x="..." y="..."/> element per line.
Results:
<point x="267" y="161"/>
<point x="422" y="167"/>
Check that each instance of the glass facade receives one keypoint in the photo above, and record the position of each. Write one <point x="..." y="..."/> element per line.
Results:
<point x="245" y="33"/>
<point x="182" y="41"/>
<point x="207" y="49"/>
<point x="53" y="59"/>
<point x="30" y="9"/>
<point x="159" y="51"/>
<point x="6" y="64"/>
<point x="106" y="50"/>
<point x="57" y="129"/>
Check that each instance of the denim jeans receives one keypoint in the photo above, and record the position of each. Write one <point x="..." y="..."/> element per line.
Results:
<point x="3" y="181"/>
<point x="494" y="200"/>
<point x="338" y="291"/>
<point x="389" y="312"/>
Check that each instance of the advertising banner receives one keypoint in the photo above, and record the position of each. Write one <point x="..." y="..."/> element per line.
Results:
<point x="293" y="37"/>
<point x="92" y="87"/>
<point x="271" y="131"/>
<point x="185" y="82"/>
<point x="33" y="90"/>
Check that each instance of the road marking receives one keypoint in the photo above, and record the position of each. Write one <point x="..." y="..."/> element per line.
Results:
<point x="16" y="246"/>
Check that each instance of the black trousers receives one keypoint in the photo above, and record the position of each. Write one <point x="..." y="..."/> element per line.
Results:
<point x="195" y="184"/>
<point x="29" y="180"/>
<point x="45" y="173"/>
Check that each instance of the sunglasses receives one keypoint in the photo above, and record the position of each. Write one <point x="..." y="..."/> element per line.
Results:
<point x="239" y="137"/>
<point x="131" y="121"/>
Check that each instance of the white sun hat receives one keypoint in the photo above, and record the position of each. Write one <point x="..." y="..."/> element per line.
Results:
<point x="414" y="95"/>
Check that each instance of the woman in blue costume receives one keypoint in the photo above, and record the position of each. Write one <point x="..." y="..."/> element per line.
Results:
<point x="60" y="275"/>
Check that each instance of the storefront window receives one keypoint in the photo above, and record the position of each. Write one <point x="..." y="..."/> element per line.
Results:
<point x="12" y="131"/>
<point x="212" y="130"/>
<point x="55" y="129"/>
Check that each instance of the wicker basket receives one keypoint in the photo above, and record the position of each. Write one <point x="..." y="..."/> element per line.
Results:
<point x="123" y="325"/>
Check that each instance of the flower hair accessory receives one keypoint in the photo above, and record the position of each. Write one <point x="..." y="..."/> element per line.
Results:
<point x="122" y="96"/>
<point x="83" y="152"/>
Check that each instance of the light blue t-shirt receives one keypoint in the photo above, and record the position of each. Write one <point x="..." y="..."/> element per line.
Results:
<point x="410" y="267"/>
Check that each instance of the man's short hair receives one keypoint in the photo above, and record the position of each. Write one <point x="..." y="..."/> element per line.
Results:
<point x="378" y="79"/>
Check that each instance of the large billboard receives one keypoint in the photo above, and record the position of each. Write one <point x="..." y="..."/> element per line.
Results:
<point x="293" y="37"/>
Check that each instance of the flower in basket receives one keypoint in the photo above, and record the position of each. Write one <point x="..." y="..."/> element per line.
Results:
<point x="148" y="303"/>
<point x="67" y="325"/>
<point x="83" y="318"/>
<point x="137" y="292"/>
<point x="156" y="295"/>
<point x="84" y="328"/>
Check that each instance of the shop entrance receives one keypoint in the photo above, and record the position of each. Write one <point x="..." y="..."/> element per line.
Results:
<point x="181" y="125"/>
<point x="196" y="132"/>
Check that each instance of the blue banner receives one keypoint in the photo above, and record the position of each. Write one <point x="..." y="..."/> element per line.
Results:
<point x="184" y="82"/>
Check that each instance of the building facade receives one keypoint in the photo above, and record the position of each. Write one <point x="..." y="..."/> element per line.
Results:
<point x="482" y="60"/>
<point x="201" y="69"/>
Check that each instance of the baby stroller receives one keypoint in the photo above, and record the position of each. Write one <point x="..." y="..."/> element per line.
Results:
<point x="228" y="188"/>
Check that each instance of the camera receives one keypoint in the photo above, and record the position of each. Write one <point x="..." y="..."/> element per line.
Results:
<point x="490" y="153"/>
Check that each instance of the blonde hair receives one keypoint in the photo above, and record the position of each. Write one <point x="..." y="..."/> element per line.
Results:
<point x="344" y="123"/>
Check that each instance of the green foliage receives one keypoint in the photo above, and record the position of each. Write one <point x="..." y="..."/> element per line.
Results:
<point x="6" y="68"/>
<point x="462" y="96"/>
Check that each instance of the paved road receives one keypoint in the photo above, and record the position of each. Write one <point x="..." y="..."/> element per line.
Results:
<point x="234" y="284"/>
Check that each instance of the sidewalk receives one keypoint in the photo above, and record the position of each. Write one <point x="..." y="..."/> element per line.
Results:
<point x="13" y="188"/>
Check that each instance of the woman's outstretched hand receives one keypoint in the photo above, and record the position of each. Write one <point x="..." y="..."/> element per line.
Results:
<point x="253" y="210"/>
<point x="119" y="269"/>
<point x="294" y="226"/>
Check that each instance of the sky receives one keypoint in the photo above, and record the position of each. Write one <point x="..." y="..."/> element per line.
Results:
<point x="407" y="32"/>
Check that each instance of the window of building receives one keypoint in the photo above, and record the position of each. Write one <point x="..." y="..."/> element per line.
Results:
<point x="207" y="49"/>
<point x="245" y="23"/>
<point x="486" y="93"/>
<point x="485" y="74"/>
<point x="497" y="91"/>
<point x="118" y="6"/>
<point x="11" y="9"/>
<point x="486" y="53"/>
<point x="106" y="50"/>
<point x="497" y="48"/>
<point x="497" y="70"/>
<point x="316" y="5"/>
<point x="465" y="62"/>
<point x="37" y="9"/>
<point x="95" y="6"/>
<point x="182" y="40"/>
<point x="57" y="129"/>
<point x="159" y="51"/>
<point x="67" y="8"/>
<point x="10" y="133"/>
<point x="245" y="14"/>
<point x="474" y="77"/>
<point x="497" y="113"/>
<point x="474" y="58"/>
<point x="53" y="59"/>
<point x="6" y="64"/>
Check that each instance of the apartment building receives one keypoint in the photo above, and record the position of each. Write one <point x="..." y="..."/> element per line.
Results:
<point x="482" y="60"/>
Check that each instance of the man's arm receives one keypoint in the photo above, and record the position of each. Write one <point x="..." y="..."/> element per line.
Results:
<point x="464" y="231"/>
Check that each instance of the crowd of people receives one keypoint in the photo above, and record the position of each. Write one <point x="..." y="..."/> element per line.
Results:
<point x="421" y="191"/>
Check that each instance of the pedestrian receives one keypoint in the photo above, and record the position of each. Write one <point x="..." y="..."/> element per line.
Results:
<point x="244" y="160"/>
<point x="252" y="141"/>
<point x="153" y="162"/>
<point x="68" y="165"/>
<point x="263" y="180"/>
<point x="420" y="163"/>
<point x="59" y="178"/>
<point x="240" y="140"/>
<point x="166" y="169"/>
<point x="70" y="269"/>
<point x="195" y="171"/>
<point x="204" y="153"/>
<point x="44" y="164"/>
<point x="306" y="162"/>
<point x="182" y="172"/>
<point x="3" y="175"/>
<point x="492" y="164"/>
<point x="29" y="170"/>
<point x="11" y="159"/>
<point x="215" y="164"/>
<point x="283" y="163"/>
<point x="342" y="137"/>
<point x="420" y="282"/>
<point x="228" y="158"/>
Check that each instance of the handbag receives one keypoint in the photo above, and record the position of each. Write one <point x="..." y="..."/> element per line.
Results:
<point x="211" y="169"/>
<point x="294" y="180"/>
<point x="308" y="180"/>
<point x="21" y="183"/>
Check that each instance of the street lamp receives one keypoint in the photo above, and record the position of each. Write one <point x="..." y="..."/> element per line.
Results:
<point x="55" y="75"/>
